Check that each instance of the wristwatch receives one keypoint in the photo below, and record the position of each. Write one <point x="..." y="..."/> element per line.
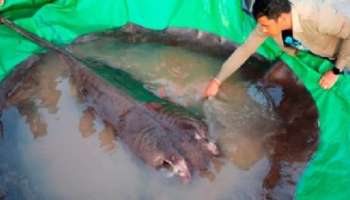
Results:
<point x="337" y="71"/>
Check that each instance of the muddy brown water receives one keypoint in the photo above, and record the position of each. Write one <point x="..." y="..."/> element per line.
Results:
<point x="54" y="147"/>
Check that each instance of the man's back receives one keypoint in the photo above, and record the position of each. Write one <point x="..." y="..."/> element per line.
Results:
<point x="320" y="25"/>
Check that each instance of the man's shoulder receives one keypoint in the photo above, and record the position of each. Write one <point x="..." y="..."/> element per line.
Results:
<point x="306" y="9"/>
<point x="323" y="16"/>
<point x="312" y="13"/>
<point x="313" y="9"/>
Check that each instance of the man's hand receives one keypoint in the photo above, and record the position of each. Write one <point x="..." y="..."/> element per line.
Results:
<point x="328" y="80"/>
<point x="212" y="88"/>
<point x="2" y="2"/>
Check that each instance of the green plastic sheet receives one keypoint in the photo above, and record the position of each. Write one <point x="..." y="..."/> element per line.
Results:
<point x="327" y="175"/>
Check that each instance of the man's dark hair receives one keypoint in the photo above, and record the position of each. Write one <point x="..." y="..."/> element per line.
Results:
<point x="272" y="9"/>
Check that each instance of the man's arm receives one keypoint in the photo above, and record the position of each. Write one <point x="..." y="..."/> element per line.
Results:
<point x="336" y="23"/>
<point x="237" y="58"/>
<point x="241" y="54"/>
<point x="343" y="58"/>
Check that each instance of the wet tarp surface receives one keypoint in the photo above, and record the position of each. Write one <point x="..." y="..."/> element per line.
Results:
<point x="328" y="173"/>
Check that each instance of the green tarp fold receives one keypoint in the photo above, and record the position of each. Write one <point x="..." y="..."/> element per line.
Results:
<point x="328" y="173"/>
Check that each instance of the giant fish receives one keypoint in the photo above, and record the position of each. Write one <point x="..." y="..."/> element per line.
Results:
<point x="161" y="133"/>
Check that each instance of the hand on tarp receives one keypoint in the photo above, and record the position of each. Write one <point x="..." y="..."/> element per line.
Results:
<point x="2" y="2"/>
<point x="212" y="88"/>
<point x="328" y="80"/>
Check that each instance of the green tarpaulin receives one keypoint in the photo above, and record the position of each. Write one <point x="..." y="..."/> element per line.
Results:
<point x="328" y="173"/>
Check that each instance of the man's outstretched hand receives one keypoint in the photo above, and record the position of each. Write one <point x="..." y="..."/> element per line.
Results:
<point x="212" y="88"/>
